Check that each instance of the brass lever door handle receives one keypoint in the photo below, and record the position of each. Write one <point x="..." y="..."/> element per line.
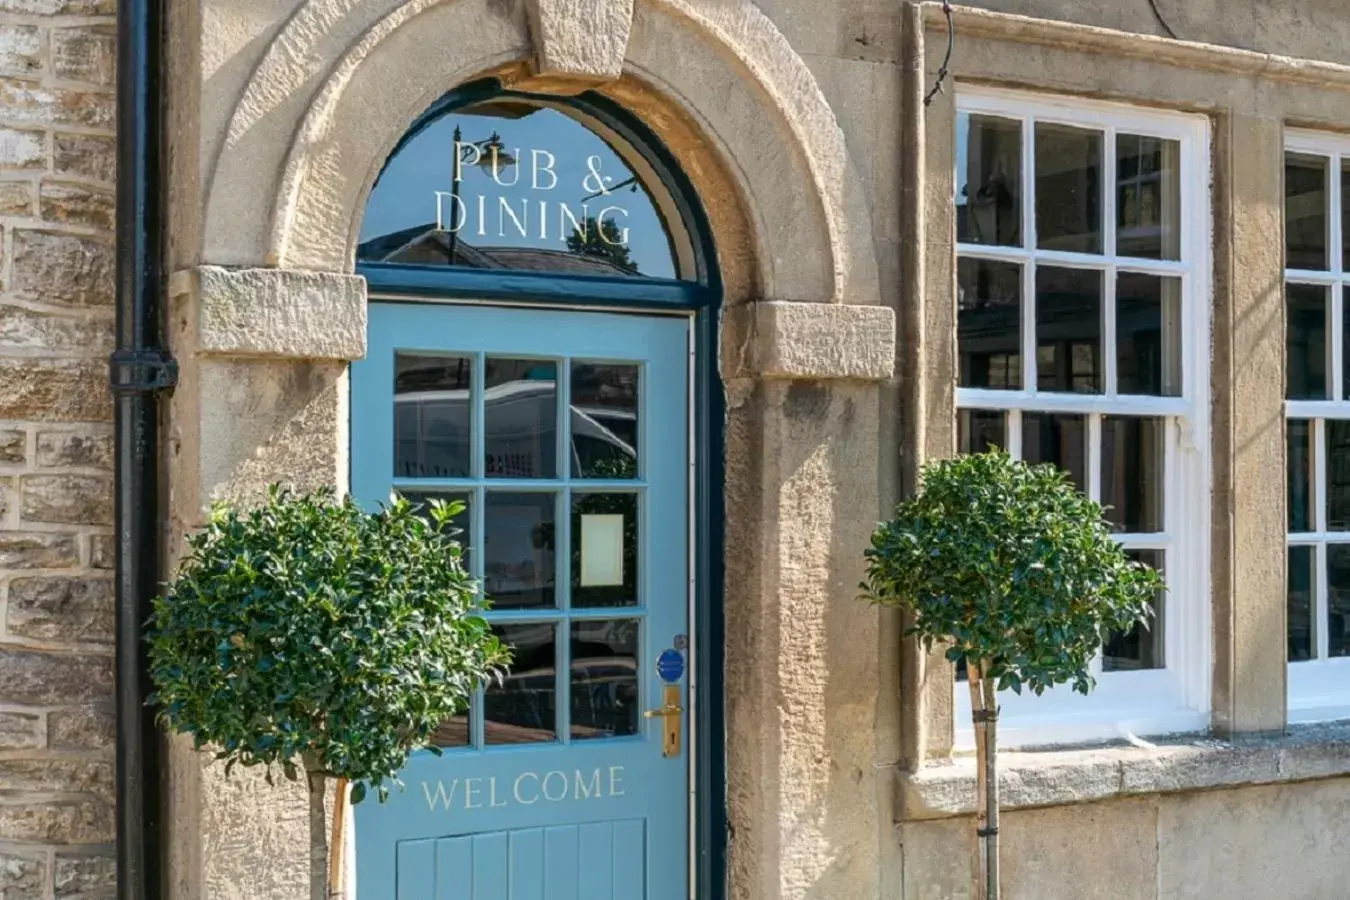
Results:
<point x="672" y="721"/>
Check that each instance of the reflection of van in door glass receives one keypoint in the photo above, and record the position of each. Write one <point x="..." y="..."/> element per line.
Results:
<point x="432" y="430"/>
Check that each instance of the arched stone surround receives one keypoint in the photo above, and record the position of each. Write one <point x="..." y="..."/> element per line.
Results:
<point x="294" y="127"/>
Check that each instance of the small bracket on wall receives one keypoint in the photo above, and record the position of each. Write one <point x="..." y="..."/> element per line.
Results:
<point x="149" y="371"/>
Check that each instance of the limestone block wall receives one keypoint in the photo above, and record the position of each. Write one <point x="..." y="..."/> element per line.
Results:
<point x="57" y="113"/>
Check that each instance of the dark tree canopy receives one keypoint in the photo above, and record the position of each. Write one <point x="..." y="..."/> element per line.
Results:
<point x="601" y="239"/>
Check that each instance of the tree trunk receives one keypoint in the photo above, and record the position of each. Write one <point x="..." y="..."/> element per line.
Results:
<point x="325" y="856"/>
<point x="973" y="679"/>
<point x="984" y="713"/>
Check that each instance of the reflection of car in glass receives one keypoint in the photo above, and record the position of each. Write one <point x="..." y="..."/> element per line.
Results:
<point x="604" y="697"/>
<point x="432" y="429"/>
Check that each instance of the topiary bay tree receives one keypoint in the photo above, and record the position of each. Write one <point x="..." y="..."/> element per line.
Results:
<point x="1014" y="570"/>
<point x="307" y="633"/>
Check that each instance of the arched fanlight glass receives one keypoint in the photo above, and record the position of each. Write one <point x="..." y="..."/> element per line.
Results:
<point x="524" y="183"/>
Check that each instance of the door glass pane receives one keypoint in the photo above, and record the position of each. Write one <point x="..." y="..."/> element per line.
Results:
<point x="1069" y="330"/>
<point x="1133" y="476"/>
<point x="1068" y="189"/>
<point x="521" y="408"/>
<point x="518" y="545"/>
<point x="605" y="550"/>
<point x="431" y="416"/>
<point x="520" y="710"/>
<point x="1306" y="197"/>
<point x="1148" y="197"/>
<point x="1148" y="335"/>
<point x="988" y="180"/>
<point x="1060" y="440"/>
<point x="1338" y="475"/>
<point x="1302" y="516"/>
<point x="1307" y="348"/>
<point x="604" y="420"/>
<point x="1338" y="599"/>
<point x="605" y="696"/>
<point x="1301" y="620"/>
<point x="462" y="523"/>
<point x="1142" y="646"/>
<point x="989" y="323"/>
<point x="980" y="430"/>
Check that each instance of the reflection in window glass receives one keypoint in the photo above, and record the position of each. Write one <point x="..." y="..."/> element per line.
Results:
<point x="605" y="545"/>
<point x="1148" y="335"/>
<point x="1299" y="455"/>
<point x="533" y="190"/>
<point x="1301" y="618"/>
<point x="604" y="420"/>
<point x="1060" y="440"/>
<point x="1142" y="646"/>
<point x="1148" y="197"/>
<point x="1133" y="476"/>
<point x="989" y="317"/>
<point x="520" y="710"/>
<point x="431" y="416"/>
<point x="989" y="180"/>
<point x="605" y="697"/>
<point x="518" y="544"/>
<point x="521" y="408"/>
<point x="1338" y="600"/>
<point x="980" y="430"/>
<point x="1306" y="196"/>
<point x="1068" y="188"/>
<point x="1307" y="348"/>
<point x="1069" y="330"/>
<point x="1338" y="474"/>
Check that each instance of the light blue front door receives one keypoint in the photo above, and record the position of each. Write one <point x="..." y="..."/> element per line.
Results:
<point x="567" y="434"/>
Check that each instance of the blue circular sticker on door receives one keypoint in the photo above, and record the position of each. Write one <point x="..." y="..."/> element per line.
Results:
<point x="670" y="666"/>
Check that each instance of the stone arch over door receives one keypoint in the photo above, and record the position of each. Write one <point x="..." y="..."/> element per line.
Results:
<point x="269" y="318"/>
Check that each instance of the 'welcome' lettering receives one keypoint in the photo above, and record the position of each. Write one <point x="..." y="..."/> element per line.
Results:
<point x="526" y="789"/>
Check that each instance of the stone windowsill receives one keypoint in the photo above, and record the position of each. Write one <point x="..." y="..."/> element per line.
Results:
<point x="1085" y="775"/>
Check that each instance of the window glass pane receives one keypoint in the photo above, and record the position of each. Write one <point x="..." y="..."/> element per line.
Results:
<point x="521" y="408"/>
<point x="1141" y="647"/>
<point x="432" y="405"/>
<point x="1133" y="473"/>
<point x="1338" y="475"/>
<point x="1068" y="189"/>
<point x="1345" y="344"/>
<point x="1307" y="348"/>
<point x="1148" y="335"/>
<point x="534" y="190"/>
<point x="1148" y="197"/>
<point x="1305" y="211"/>
<point x="1301" y="619"/>
<point x="605" y="697"/>
<point x="605" y="550"/>
<point x="1057" y="439"/>
<point x="1345" y="214"/>
<point x="980" y="430"/>
<point x="518" y="550"/>
<point x="604" y="420"/>
<point x="1069" y="330"/>
<point x="1338" y="599"/>
<point x="988" y="180"/>
<point x="989" y="316"/>
<point x="521" y="709"/>
<point x="1298" y="434"/>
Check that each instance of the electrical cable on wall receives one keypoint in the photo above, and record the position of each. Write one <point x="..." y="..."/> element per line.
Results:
<point x="943" y="71"/>
<point x="1157" y="14"/>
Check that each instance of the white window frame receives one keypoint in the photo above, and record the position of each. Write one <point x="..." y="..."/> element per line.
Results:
<point x="1175" y="698"/>
<point x="1319" y="689"/>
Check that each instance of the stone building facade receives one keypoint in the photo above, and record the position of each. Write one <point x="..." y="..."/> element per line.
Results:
<point x="846" y="215"/>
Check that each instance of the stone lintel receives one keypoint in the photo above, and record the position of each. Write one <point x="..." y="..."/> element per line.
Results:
<point x="582" y="41"/>
<point x="274" y="313"/>
<point x="1055" y="778"/>
<point x="808" y="341"/>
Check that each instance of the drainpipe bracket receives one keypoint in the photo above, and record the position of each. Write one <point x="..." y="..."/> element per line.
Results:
<point x="148" y="371"/>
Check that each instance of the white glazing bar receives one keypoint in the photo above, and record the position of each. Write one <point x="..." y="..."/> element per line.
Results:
<point x="1109" y="336"/>
<point x="1014" y="426"/>
<point x="1319" y="437"/>
<point x="1320" y="593"/>
<point x="1336" y="337"/>
<point x="1107" y="180"/>
<point x="1094" y="457"/>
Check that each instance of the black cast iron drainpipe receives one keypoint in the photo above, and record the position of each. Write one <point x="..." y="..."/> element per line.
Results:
<point x="140" y="371"/>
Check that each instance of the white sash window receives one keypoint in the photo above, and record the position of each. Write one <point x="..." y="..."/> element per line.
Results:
<point x="1083" y="294"/>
